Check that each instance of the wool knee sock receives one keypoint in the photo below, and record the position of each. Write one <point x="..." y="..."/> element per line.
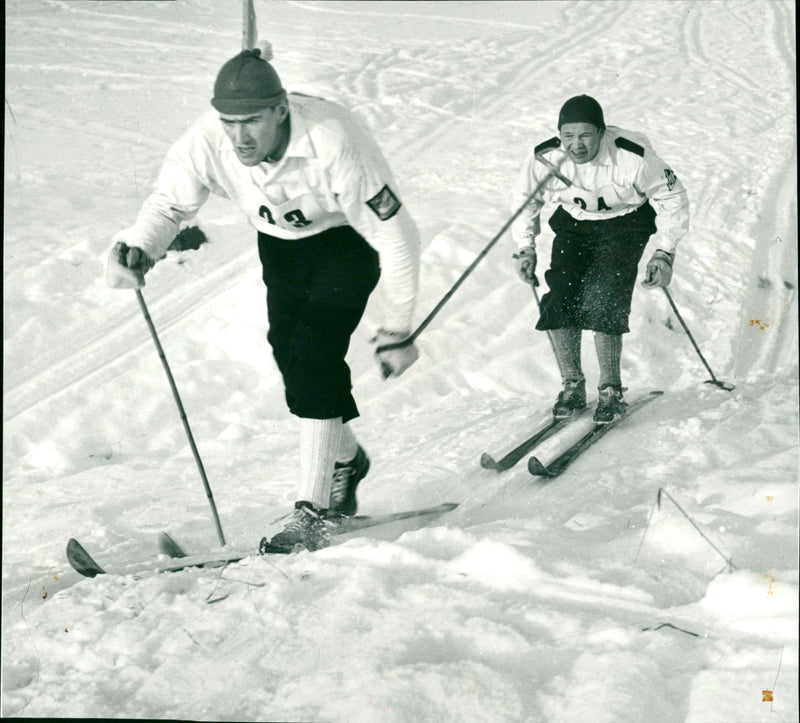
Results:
<point x="567" y="343"/>
<point x="319" y="445"/>
<point x="348" y="445"/>
<point x="609" y="357"/>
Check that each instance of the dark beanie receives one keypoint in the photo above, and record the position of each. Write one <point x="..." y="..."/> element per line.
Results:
<point x="247" y="83"/>
<point x="582" y="109"/>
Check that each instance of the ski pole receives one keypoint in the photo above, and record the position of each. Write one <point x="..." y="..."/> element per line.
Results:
<point x="413" y="336"/>
<point x="249" y="31"/>
<point x="722" y="385"/>
<point x="539" y="307"/>
<point x="555" y="171"/>
<point x="183" y="416"/>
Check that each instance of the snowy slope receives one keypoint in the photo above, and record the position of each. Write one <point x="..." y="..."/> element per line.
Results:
<point x="530" y="602"/>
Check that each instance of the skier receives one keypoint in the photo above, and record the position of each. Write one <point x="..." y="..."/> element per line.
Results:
<point x="316" y="187"/>
<point x="602" y="223"/>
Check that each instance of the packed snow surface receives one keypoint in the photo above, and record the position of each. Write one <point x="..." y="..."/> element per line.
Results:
<point x="581" y="599"/>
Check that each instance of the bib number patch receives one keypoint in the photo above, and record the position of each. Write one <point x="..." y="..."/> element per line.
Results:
<point x="293" y="218"/>
<point x="384" y="204"/>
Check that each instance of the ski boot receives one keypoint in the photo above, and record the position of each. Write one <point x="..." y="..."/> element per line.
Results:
<point x="346" y="476"/>
<point x="609" y="405"/>
<point x="306" y="529"/>
<point x="572" y="399"/>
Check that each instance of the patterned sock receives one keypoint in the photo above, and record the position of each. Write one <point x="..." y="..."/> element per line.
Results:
<point x="609" y="355"/>
<point x="567" y="343"/>
<point x="348" y="446"/>
<point x="319" y="444"/>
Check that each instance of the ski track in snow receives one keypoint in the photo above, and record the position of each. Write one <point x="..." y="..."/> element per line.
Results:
<point x="576" y="599"/>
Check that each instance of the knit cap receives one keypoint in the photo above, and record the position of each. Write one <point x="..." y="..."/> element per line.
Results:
<point x="582" y="109"/>
<point x="247" y="83"/>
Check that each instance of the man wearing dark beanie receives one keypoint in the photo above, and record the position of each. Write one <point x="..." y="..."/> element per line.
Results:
<point x="312" y="181"/>
<point x="602" y="180"/>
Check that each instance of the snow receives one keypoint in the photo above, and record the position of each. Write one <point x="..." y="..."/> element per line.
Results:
<point x="579" y="599"/>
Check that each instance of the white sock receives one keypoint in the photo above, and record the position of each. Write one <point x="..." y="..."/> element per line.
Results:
<point x="319" y="444"/>
<point x="348" y="446"/>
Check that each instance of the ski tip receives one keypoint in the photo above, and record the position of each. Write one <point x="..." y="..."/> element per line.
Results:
<point x="74" y="546"/>
<point x="81" y="560"/>
<point x="168" y="546"/>
<point x="535" y="467"/>
<point x="487" y="461"/>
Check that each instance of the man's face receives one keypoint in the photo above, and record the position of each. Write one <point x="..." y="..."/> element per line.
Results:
<point x="580" y="140"/>
<point x="255" y="135"/>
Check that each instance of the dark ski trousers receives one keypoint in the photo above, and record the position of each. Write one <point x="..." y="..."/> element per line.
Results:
<point x="593" y="270"/>
<point x="317" y="290"/>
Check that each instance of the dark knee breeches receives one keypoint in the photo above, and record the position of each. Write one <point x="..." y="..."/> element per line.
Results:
<point x="593" y="270"/>
<point x="317" y="290"/>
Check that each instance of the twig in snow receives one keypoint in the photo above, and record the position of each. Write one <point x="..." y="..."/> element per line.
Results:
<point x="8" y="105"/>
<point x="768" y="694"/>
<point x="661" y="491"/>
<point x="780" y="660"/>
<point x="644" y="534"/>
<point x="33" y="640"/>
<point x="209" y="601"/>
<point x="135" y="175"/>
<point x="244" y="582"/>
<point x="674" y="627"/>
<point x="269" y="562"/>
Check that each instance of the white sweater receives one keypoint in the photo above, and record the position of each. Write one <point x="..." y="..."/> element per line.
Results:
<point x="332" y="174"/>
<point x="624" y="174"/>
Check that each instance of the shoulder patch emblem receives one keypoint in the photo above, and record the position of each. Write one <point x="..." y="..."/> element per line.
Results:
<point x="672" y="179"/>
<point x="384" y="204"/>
<point x="627" y="145"/>
<point x="554" y="142"/>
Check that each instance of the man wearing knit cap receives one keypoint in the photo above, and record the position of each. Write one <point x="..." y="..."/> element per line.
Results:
<point x="312" y="181"/>
<point x="604" y="181"/>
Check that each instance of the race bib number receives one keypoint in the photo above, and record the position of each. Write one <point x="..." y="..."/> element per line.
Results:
<point x="608" y="198"/>
<point x="292" y="215"/>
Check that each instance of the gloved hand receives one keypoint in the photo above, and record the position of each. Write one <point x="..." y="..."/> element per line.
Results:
<point x="126" y="266"/>
<point x="526" y="264"/>
<point x="394" y="361"/>
<point x="659" y="270"/>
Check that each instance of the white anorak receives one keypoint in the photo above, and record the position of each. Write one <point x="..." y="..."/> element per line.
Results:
<point x="623" y="175"/>
<point x="331" y="174"/>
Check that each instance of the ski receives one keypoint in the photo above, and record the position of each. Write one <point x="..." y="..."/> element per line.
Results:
<point x="540" y="466"/>
<point x="351" y="526"/>
<point x="545" y="431"/>
<point x="86" y="565"/>
<point x="348" y="526"/>
<point x="362" y="522"/>
<point x="83" y="563"/>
